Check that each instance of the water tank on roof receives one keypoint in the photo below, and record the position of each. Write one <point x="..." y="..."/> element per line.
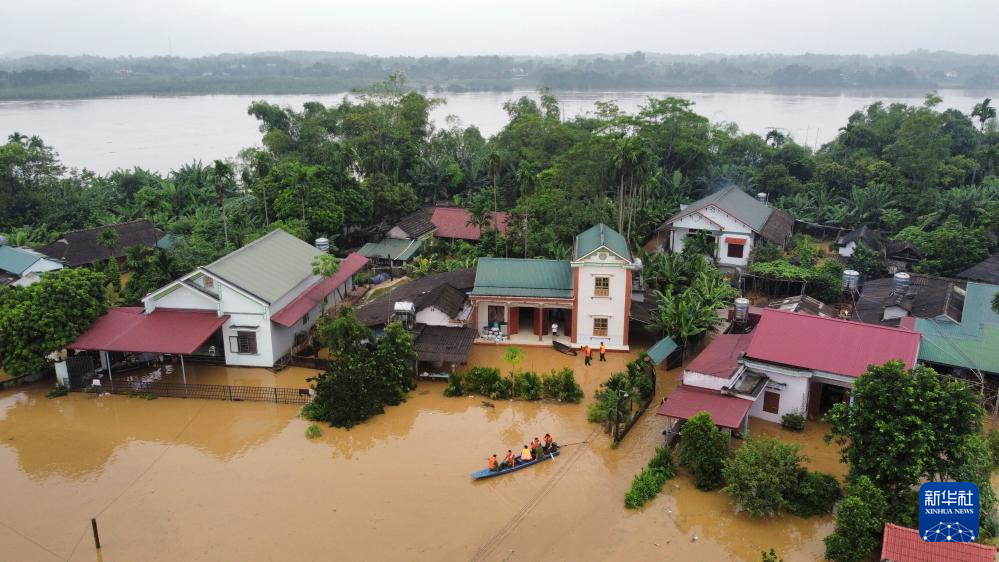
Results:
<point x="404" y="312"/>
<point x="323" y="244"/>
<point x="902" y="282"/>
<point x="761" y="197"/>
<point x="850" y="280"/>
<point x="741" y="309"/>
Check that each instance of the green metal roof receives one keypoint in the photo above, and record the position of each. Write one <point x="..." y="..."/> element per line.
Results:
<point x="599" y="236"/>
<point x="974" y="343"/>
<point x="523" y="278"/>
<point x="391" y="249"/>
<point x="662" y="349"/>
<point x="269" y="267"/>
<point x="16" y="260"/>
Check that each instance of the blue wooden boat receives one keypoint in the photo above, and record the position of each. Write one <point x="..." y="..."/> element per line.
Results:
<point x="486" y="473"/>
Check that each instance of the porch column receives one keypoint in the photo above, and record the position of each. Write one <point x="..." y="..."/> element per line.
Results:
<point x="183" y="372"/>
<point x="745" y="425"/>
<point x="537" y="322"/>
<point x="107" y="363"/>
<point x="513" y="326"/>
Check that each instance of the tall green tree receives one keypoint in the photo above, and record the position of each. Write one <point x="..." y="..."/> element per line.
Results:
<point x="859" y="523"/>
<point x="703" y="451"/>
<point x="46" y="316"/>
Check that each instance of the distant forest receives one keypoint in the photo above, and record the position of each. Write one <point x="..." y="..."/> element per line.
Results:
<point x="38" y="77"/>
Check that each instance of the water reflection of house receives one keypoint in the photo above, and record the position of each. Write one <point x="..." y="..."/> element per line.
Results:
<point x="246" y="308"/>
<point x="734" y="220"/>
<point x="787" y="362"/>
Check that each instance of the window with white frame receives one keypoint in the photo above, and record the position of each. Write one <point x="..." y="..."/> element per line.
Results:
<point x="601" y="286"/>
<point x="600" y="327"/>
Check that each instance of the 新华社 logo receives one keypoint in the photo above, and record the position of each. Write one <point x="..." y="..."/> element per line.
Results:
<point x="948" y="512"/>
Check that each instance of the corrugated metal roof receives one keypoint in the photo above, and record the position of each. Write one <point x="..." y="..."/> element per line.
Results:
<point x="662" y="349"/>
<point x="163" y="330"/>
<point x="974" y="343"/>
<point x="81" y="247"/>
<point x="600" y="235"/>
<point x="437" y="344"/>
<point x="268" y="267"/>
<point x="687" y="401"/>
<point x="733" y="201"/>
<point x="902" y="544"/>
<point x="296" y="309"/>
<point x="16" y="260"/>
<point x="721" y="357"/>
<point x="986" y="271"/>
<point x="439" y="289"/>
<point x="827" y="344"/>
<point x="453" y="223"/>
<point x="391" y="249"/>
<point x="523" y="278"/>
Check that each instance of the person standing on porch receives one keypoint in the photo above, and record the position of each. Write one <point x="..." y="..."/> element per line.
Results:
<point x="554" y="330"/>
<point x="587" y="355"/>
<point x="603" y="353"/>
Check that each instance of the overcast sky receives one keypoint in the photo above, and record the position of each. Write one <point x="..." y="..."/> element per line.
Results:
<point x="472" y="27"/>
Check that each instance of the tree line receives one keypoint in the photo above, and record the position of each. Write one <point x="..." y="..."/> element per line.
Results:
<point x="323" y="72"/>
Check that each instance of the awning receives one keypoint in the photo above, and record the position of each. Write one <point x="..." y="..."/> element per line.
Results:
<point x="662" y="349"/>
<point x="311" y="297"/>
<point x="687" y="401"/>
<point x="164" y="330"/>
<point x="737" y="241"/>
<point x="443" y="344"/>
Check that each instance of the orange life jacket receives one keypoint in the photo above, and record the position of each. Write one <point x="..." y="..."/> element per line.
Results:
<point x="589" y="351"/>
<point x="492" y="462"/>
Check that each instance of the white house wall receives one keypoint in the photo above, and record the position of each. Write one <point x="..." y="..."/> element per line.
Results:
<point x="181" y="297"/>
<point x="41" y="266"/>
<point x="431" y="316"/>
<point x="847" y="251"/>
<point x="793" y="396"/>
<point x="701" y="380"/>
<point x="591" y="306"/>
<point x="720" y="224"/>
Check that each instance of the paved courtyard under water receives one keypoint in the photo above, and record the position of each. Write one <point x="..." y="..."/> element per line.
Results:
<point x="173" y="479"/>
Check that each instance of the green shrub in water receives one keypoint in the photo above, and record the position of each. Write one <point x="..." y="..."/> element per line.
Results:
<point x="150" y="396"/>
<point x="815" y="493"/>
<point x="455" y="385"/>
<point x="794" y="421"/>
<point x="481" y="380"/>
<point x="561" y="386"/>
<point x="59" y="390"/>
<point x="527" y="385"/>
<point x="313" y="431"/>
<point x="649" y="482"/>
<point x="501" y="389"/>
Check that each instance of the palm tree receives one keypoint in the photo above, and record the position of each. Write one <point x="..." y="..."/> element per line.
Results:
<point x="222" y="179"/>
<point x="984" y="111"/>
<point x="325" y="266"/>
<point x="108" y="238"/>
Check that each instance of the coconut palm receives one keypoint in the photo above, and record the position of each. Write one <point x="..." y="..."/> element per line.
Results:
<point x="984" y="111"/>
<point x="325" y="266"/>
<point x="108" y="238"/>
<point x="222" y="179"/>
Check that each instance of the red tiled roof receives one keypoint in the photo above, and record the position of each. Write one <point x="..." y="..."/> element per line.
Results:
<point x="721" y="357"/>
<point x="828" y="344"/>
<point x="902" y="544"/>
<point x="296" y="309"/>
<point x="164" y="330"/>
<point x="452" y="222"/>
<point x="687" y="401"/>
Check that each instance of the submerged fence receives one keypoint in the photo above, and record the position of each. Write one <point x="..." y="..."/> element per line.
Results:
<point x="205" y="391"/>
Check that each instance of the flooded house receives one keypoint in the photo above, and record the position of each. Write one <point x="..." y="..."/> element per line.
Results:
<point x="248" y="308"/>
<point x="587" y="299"/>
<point x="734" y="220"/>
<point x="887" y="301"/>
<point x="436" y="310"/>
<point x="964" y="342"/>
<point x="783" y="362"/>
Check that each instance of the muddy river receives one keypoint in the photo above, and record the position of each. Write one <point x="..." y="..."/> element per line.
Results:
<point x="173" y="479"/>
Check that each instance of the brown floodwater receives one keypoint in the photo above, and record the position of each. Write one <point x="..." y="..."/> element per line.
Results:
<point x="173" y="479"/>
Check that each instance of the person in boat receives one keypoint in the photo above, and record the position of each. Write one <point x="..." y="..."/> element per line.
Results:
<point x="548" y="441"/>
<point x="493" y="463"/>
<point x="510" y="460"/>
<point x="536" y="449"/>
<point x="525" y="455"/>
